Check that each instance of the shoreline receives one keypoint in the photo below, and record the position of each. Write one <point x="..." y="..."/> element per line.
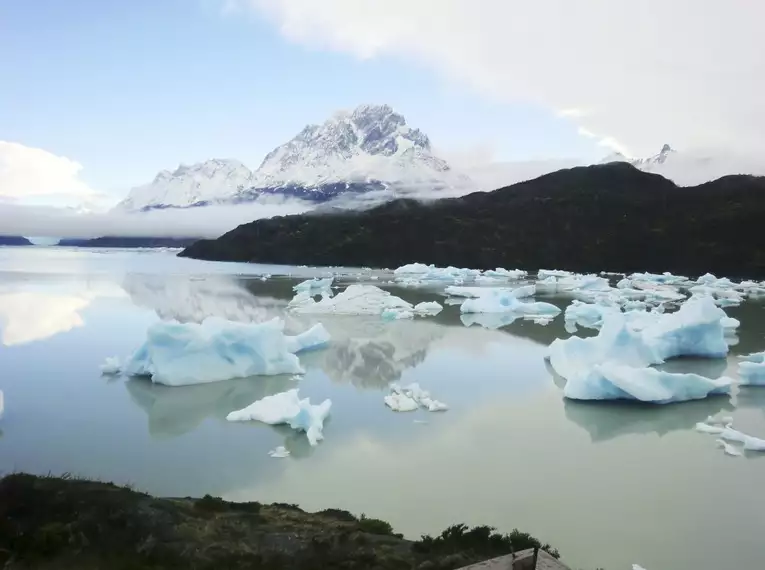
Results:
<point x="54" y="522"/>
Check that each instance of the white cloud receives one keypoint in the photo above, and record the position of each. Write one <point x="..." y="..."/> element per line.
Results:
<point x="27" y="172"/>
<point x="688" y="72"/>
<point x="211" y="221"/>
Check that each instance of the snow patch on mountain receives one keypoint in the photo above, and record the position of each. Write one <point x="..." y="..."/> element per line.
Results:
<point x="647" y="164"/>
<point x="689" y="168"/>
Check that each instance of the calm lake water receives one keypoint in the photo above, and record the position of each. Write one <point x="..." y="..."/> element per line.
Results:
<point x="607" y="484"/>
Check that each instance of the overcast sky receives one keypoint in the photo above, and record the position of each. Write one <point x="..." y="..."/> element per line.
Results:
<point x="98" y="96"/>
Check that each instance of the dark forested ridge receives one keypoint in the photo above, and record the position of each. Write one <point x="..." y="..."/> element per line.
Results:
<point x="605" y="217"/>
<point x="127" y="241"/>
<point x="14" y="240"/>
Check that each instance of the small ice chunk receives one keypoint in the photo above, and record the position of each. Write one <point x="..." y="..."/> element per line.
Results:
<point x="287" y="408"/>
<point x="469" y="292"/>
<point x="399" y="402"/>
<point x="706" y="428"/>
<point x="315" y="286"/>
<point x="178" y="354"/>
<point x="111" y="366"/>
<point x="752" y="369"/>
<point x="724" y="420"/>
<point x="586" y="315"/>
<point x="393" y="314"/>
<point x="728" y="448"/>
<point x="412" y="397"/>
<point x="506" y="273"/>
<point x="544" y="321"/>
<point x="427" y="308"/>
<point x="751" y="443"/>
<point x="279" y="452"/>
<point x="315" y="337"/>
<point x="504" y="301"/>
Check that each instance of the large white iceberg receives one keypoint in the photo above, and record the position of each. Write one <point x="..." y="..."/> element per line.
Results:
<point x="611" y="381"/>
<point x="287" y="408"/>
<point x="752" y="369"/>
<point x="178" y="354"/>
<point x="614" y="364"/>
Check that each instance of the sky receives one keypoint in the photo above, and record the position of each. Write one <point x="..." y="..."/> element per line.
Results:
<point x="97" y="97"/>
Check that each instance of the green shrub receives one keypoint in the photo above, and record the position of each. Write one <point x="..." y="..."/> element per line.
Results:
<point x="480" y="540"/>
<point x="374" y="526"/>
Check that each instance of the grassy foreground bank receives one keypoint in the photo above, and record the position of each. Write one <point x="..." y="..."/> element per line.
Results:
<point x="64" y="522"/>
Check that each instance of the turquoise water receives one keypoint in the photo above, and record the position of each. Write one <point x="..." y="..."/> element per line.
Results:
<point x="607" y="484"/>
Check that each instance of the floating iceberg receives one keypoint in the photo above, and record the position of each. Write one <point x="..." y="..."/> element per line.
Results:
<point x="586" y="314"/>
<point x="178" y="354"/>
<point x="506" y="301"/>
<point x="363" y="300"/>
<point x="279" y="452"/>
<point x="696" y="329"/>
<point x="467" y="292"/>
<point x="355" y="300"/>
<point x="502" y="273"/>
<point x="611" y="381"/>
<point x="751" y="443"/>
<point x="752" y="369"/>
<point x="399" y="402"/>
<point x="729" y="449"/>
<point x="111" y="366"/>
<point x="614" y="364"/>
<point x="315" y="286"/>
<point x="420" y="272"/>
<point x="727" y="433"/>
<point x="287" y="408"/>
<point x="315" y="337"/>
<point x="427" y="308"/>
<point x="412" y="397"/>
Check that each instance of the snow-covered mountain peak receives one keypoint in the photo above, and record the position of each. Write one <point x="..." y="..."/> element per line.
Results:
<point x="369" y="142"/>
<point x="646" y="163"/>
<point x="367" y="149"/>
<point x="209" y="181"/>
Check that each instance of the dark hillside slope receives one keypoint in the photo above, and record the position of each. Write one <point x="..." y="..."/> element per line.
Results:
<point x="605" y="217"/>
<point x="14" y="240"/>
<point x="128" y="241"/>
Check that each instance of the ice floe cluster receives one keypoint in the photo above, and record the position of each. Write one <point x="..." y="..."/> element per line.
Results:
<point x="411" y="398"/>
<point x="642" y="320"/>
<point x="727" y="436"/>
